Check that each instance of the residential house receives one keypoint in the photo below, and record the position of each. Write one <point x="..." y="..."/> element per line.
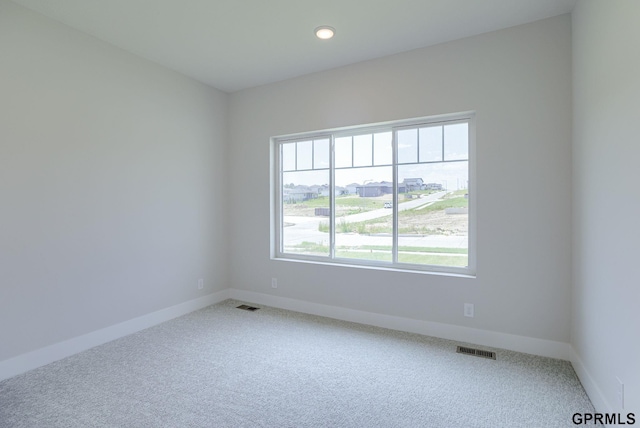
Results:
<point x="412" y="184"/>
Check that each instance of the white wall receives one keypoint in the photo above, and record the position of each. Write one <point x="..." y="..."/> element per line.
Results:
<point x="519" y="82"/>
<point x="606" y="205"/>
<point x="112" y="173"/>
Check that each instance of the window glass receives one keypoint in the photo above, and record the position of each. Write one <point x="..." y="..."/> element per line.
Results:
<point x="289" y="156"/>
<point x="407" y="145"/>
<point x="430" y="144"/>
<point x="360" y="213"/>
<point x="382" y="148"/>
<point x="343" y="152"/>
<point x="433" y="219"/>
<point x="321" y="153"/>
<point x="305" y="204"/>
<point x="362" y="150"/>
<point x="412" y="215"/>
<point x="456" y="141"/>
<point x="305" y="155"/>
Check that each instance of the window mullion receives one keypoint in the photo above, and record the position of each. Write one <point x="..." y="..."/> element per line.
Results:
<point x="418" y="145"/>
<point x="279" y="184"/>
<point x="353" y="153"/>
<point x="373" y="150"/>
<point x="332" y="202"/>
<point x="442" y="152"/>
<point x="394" y="160"/>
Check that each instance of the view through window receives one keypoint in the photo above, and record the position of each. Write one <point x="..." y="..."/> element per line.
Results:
<point x="391" y="196"/>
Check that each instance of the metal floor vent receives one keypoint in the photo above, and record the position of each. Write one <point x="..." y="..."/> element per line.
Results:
<point x="476" y="352"/>
<point x="247" y="308"/>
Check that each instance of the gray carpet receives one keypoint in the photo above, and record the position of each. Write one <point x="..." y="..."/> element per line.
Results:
<point x="224" y="367"/>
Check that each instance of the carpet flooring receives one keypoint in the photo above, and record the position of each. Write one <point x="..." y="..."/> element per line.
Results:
<point x="225" y="367"/>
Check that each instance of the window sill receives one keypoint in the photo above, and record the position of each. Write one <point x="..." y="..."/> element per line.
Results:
<point x="340" y="264"/>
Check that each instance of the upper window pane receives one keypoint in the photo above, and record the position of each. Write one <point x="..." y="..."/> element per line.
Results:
<point x="382" y="149"/>
<point x="408" y="146"/>
<point x="289" y="157"/>
<point x="321" y="154"/>
<point x="305" y="155"/>
<point x="362" y="150"/>
<point x="343" y="152"/>
<point x="456" y="142"/>
<point x="431" y="144"/>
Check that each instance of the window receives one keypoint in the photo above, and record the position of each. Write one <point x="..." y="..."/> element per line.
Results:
<point x="393" y="195"/>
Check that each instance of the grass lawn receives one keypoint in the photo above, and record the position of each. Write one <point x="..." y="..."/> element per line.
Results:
<point x="383" y="253"/>
<point x="417" y="249"/>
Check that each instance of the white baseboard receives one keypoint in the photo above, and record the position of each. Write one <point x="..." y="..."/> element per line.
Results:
<point x="529" y="345"/>
<point x="58" y="351"/>
<point x="593" y="391"/>
<point x="545" y="348"/>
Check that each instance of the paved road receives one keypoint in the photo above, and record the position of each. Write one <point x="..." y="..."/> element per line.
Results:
<point x="306" y="229"/>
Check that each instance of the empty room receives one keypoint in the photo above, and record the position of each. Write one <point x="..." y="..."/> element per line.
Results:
<point x="319" y="214"/>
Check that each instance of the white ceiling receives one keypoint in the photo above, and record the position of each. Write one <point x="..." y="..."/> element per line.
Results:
<point x="236" y="44"/>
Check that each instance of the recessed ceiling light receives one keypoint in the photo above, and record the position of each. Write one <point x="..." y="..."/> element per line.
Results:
<point x="325" y="32"/>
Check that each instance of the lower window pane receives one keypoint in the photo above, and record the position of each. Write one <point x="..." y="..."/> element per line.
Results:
<point x="305" y="209"/>
<point x="363" y="213"/>
<point x="433" y="218"/>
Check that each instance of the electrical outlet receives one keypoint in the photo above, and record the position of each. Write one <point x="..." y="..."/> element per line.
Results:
<point x="274" y="282"/>
<point x="200" y="284"/>
<point x="468" y="310"/>
<point x="620" y="393"/>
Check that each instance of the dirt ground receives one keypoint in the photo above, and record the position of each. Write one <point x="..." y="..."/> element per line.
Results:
<point x="447" y="224"/>
<point x="429" y="222"/>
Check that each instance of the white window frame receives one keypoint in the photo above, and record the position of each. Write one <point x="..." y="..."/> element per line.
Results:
<point x="277" y="205"/>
